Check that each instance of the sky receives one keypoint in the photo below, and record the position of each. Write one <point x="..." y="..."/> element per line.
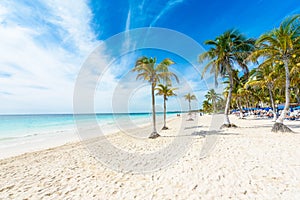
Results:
<point x="44" y="44"/>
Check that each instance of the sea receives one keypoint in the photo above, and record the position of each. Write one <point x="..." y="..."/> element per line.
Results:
<point x="31" y="132"/>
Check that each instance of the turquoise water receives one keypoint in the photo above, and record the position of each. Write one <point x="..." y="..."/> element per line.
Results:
<point x="20" y="126"/>
<point x="26" y="133"/>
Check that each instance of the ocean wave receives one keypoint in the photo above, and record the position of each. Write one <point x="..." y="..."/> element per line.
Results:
<point x="17" y="137"/>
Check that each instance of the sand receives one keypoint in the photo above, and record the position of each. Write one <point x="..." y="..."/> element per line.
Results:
<point x="248" y="162"/>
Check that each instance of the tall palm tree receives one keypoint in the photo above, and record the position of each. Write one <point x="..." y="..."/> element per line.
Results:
<point x="279" y="46"/>
<point x="153" y="73"/>
<point x="239" y="92"/>
<point x="165" y="91"/>
<point x="295" y="77"/>
<point x="220" y="104"/>
<point x="265" y="77"/>
<point x="190" y="97"/>
<point x="229" y="49"/>
<point x="213" y="97"/>
<point x="257" y="94"/>
<point x="207" y="107"/>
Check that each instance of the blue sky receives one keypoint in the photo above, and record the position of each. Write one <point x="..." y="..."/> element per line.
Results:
<point x="44" y="44"/>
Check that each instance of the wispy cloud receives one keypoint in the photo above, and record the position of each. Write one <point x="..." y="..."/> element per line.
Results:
<point x="38" y="87"/>
<point x="170" y="4"/>
<point x="127" y="27"/>
<point x="43" y="45"/>
<point x="5" y="75"/>
<point x="5" y="93"/>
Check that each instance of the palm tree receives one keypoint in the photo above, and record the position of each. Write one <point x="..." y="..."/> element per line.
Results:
<point x="190" y="97"/>
<point x="220" y="104"/>
<point x="213" y="97"/>
<point x="239" y="92"/>
<point x="149" y="71"/>
<point x="279" y="46"/>
<point x="228" y="49"/>
<point x="265" y="77"/>
<point x="256" y="95"/>
<point x="166" y="92"/>
<point x="295" y="77"/>
<point x="207" y="107"/>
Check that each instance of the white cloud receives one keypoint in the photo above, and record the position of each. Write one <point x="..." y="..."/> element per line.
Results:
<point x="3" y="12"/>
<point x="40" y="69"/>
<point x="73" y="17"/>
<point x="43" y="45"/>
<point x="170" y="4"/>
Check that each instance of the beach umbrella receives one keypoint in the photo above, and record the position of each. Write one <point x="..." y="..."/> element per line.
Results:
<point x="297" y="108"/>
<point x="280" y="107"/>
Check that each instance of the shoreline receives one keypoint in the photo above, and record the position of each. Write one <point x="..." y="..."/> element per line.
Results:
<point x="249" y="162"/>
<point x="54" y="139"/>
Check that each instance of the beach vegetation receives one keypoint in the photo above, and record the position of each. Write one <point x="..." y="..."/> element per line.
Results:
<point x="165" y="91"/>
<point x="227" y="52"/>
<point x="281" y="46"/>
<point x="154" y="73"/>
<point x="190" y="97"/>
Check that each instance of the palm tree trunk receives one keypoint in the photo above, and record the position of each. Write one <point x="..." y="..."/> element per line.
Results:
<point x="279" y="126"/>
<point x="154" y="134"/>
<point x="215" y="108"/>
<point x="165" y="111"/>
<point x="287" y="94"/>
<point x="228" y="100"/>
<point x="248" y="106"/>
<point x="240" y="108"/>
<point x="190" y="113"/>
<point x="297" y="95"/>
<point x="272" y="103"/>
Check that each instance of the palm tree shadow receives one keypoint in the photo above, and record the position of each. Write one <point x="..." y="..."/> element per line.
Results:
<point x="192" y="127"/>
<point x="293" y="126"/>
<point x="175" y="136"/>
<point x="213" y="132"/>
<point x="255" y="127"/>
<point x="202" y="134"/>
<point x="271" y="125"/>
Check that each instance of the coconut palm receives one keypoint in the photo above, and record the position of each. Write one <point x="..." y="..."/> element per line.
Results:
<point x="154" y="73"/>
<point x="220" y="104"/>
<point x="190" y="97"/>
<point x="257" y="95"/>
<point x="165" y="91"/>
<point x="265" y="77"/>
<point x="207" y="107"/>
<point x="213" y="97"/>
<point x="229" y="49"/>
<point x="239" y="92"/>
<point x="295" y="77"/>
<point x="280" y="45"/>
<point x="240" y="95"/>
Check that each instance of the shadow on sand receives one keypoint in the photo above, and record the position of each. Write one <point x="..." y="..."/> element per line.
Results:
<point x="292" y="126"/>
<point x="202" y="133"/>
<point x="193" y="127"/>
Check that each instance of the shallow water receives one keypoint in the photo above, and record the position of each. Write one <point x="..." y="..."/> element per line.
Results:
<point x="22" y="133"/>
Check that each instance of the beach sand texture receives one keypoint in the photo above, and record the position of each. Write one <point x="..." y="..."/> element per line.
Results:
<point x="248" y="162"/>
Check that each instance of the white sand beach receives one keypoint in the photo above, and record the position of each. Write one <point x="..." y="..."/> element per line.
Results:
<point x="248" y="162"/>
